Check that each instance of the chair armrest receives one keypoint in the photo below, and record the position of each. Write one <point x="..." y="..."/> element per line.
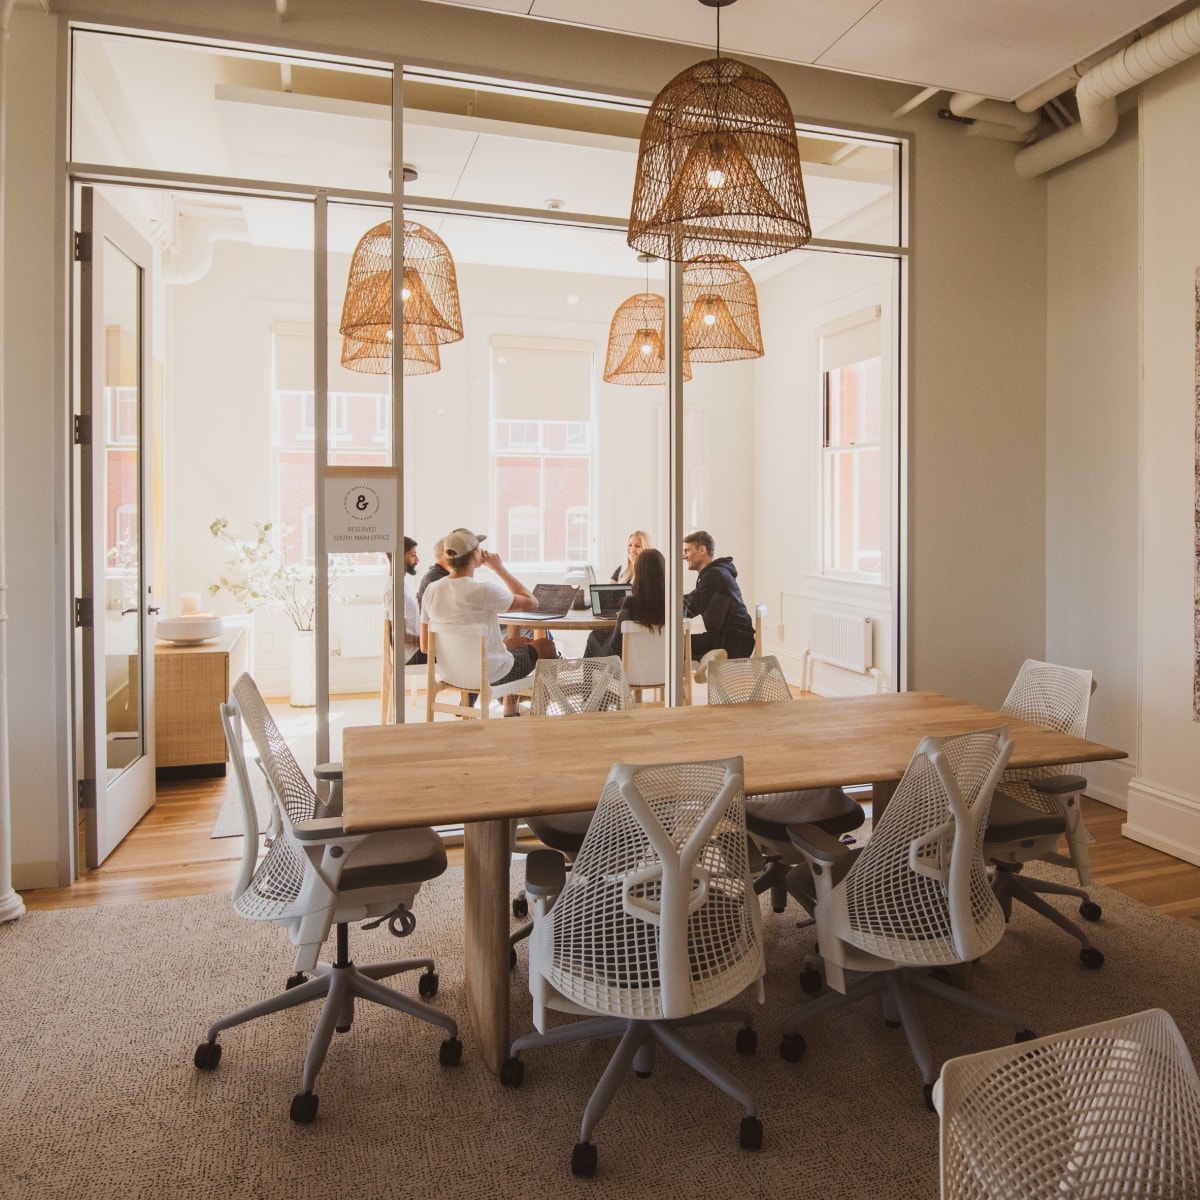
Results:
<point x="328" y="770"/>
<point x="545" y="873"/>
<point x="321" y="829"/>
<point x="1058" y="785"/>
<point x="817" y="845"/>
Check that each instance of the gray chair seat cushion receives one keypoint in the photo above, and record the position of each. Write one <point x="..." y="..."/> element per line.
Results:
<point x="392" y="857"/>
<point x="770" y="814"/>
<point x="562" y="831"/>
<point x="1011" y="821"/>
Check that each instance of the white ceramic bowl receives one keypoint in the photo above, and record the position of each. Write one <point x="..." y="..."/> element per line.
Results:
<point x="189" y="630"/>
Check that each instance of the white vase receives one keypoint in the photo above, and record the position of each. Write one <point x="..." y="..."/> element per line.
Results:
<point x="303" y="689"/>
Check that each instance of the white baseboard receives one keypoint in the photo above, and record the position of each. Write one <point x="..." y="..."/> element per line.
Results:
<point x="1165" y="820"/>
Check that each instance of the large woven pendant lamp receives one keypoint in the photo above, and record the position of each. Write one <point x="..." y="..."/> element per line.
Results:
<point x="636" y="346"/>
<point x="432" y="315"/>
<point x="720" y="308"/>
<point x="718" y="168"/>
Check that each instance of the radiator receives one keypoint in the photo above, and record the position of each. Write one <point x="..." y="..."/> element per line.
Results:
<point x="841" y="639"/>
<point x="360" y="630"/>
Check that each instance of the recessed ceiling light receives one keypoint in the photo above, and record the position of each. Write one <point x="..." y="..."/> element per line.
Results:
<point x="554" y="205"/>
<point x="410" y="173"/>
<point x="572" y="299"/>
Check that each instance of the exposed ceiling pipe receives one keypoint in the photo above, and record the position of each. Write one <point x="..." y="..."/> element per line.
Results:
<point x="995" y="112"/>
<point x="1064" y="81"/>
<point x="192" y="256"/>
<point x="1098" y="89"/>
<point x="1002" y="133"/>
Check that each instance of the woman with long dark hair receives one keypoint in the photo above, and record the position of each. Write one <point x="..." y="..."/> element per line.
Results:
<point x="646" y="604"/>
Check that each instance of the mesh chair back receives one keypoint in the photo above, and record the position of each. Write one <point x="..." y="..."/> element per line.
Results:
<point x="658" y="918"/>
<point x="1110" y="1110"/>
<point x="276" y="884"/>
<point x="1051" y="695"/>
<point x="747" y="681"/>
<point x="919" y="891"/>
<point x="573" y="685"/>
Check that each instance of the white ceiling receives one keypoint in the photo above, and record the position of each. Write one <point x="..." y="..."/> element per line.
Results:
<point x="997" y="48"/>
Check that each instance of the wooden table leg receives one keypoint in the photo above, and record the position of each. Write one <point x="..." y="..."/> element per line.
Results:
<point x="487" y="848"/>
<point x="881" y="792"/>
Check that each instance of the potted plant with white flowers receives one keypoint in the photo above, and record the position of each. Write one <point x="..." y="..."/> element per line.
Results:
<point x="259" y="578"/>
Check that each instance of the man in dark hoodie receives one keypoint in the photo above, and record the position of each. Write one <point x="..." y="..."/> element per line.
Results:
<point x="718" y="599"/>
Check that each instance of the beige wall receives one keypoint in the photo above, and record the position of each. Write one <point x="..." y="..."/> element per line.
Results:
<point x="977" y="371"/>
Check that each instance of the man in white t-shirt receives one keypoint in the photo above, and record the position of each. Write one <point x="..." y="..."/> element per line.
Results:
<point x="461" y="599"/>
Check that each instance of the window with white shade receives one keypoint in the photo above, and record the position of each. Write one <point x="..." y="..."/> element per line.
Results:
<point x="852" y="508"/>
<point x="542" y="450"/>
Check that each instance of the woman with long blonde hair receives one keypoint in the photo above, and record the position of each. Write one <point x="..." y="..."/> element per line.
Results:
<point x="639" y="540"/>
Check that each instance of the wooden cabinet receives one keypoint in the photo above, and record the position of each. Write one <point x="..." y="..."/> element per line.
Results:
<point x="190" y="683"/>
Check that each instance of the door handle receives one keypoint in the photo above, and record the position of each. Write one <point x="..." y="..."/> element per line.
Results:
<point x="126" y="611"/>
<point x="155" y="609"/>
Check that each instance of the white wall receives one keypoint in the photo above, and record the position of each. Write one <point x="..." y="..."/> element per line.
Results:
<point x="1093" y="383"/>
<point x="817" y="290"/>
<point x="1164" y="797"/>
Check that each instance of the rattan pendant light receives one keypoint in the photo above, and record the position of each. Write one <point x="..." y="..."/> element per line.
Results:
<point x="718" y="168"/>
<point x="636" y="344"/>
<point x="432" y="315"/>
<point x="720" y="308"/>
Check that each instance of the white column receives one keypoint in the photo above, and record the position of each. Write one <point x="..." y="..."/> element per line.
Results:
<point x="11" y="905"/>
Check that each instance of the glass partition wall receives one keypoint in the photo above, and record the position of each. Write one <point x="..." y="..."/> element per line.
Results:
<point x="255" y="174"/>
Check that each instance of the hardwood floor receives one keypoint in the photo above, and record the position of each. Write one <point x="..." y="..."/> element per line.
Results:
<point x="170" y="853"/>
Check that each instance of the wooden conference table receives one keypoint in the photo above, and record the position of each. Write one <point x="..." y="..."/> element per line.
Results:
<point x="483" y="773"/>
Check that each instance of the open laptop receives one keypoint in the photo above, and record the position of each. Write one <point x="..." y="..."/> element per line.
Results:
<point x="607" y="598"/>
<point x="554" y="600"/>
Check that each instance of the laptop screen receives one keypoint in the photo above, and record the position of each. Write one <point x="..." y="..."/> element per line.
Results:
<point x="607" y="598"/>
<point x="554" y="599"/>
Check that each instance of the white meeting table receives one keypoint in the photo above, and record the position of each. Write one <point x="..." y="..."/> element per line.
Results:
<point x="485" y="772"/>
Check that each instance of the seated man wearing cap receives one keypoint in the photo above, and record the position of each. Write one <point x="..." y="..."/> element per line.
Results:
<point x="461" y="599"/>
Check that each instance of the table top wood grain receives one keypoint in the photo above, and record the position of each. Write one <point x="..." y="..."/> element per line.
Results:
<point x="450" y="771"/>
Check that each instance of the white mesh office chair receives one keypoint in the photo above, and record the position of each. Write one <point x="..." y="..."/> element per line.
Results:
<point x="562" y="686"/>
<point x="644" y="659"/>
<point x="1035" y="807"/>
<point x="458" y="661"/>
<point x="312" y="877"/>
<point x="654" y="928"/>
<point x="916" y="897"/>
<point x="761" y="680"/>
<point x="1110" y="1111"/>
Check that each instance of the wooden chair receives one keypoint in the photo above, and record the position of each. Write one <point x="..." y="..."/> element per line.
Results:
<point x="414" y="676"/>
<point x="458" y="662"/>
<point x="644" y="656"/>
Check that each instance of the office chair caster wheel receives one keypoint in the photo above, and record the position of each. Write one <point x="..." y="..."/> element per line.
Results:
<point x="1091" y="958"/>
<point x="1089" y="910"/>
<point x="207" y="1055"/>
<point x="792" y="1048"/>
<point x="450" y="1052"/>
<point x="1024" y="1035"/>
<point x="750" y="1134"/>
<point x="746" y="1041"/>
<point x="583" y="1160"/>
<point x="295" y="980"/>
<point x="512" y="1074"/>
<point x="427" y="985"/>
<point x="929" y="1104"/>
<point x="520" y="906"/>
<point x="304" y="1108"/>
<point x="811" y="981"/>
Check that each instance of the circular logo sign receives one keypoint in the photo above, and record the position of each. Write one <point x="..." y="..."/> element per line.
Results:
<point x="362" y="503"/>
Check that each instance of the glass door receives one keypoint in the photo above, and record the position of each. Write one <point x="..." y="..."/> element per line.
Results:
<point x="115" y="592"/>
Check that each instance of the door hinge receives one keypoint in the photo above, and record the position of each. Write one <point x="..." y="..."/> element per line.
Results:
<point x="83" y="247"/>
<point x="83" y="612"/>
<point x="83" y="429"/>
<point x="87" y="793"/>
